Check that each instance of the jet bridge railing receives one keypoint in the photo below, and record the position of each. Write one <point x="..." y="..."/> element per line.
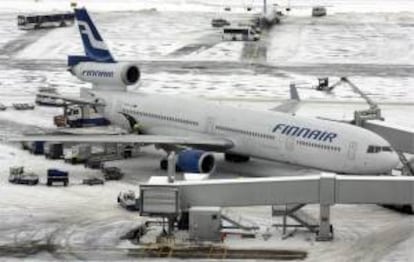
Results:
<point x="313" y="189"/>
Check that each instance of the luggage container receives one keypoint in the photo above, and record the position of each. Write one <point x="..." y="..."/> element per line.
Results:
<point x="53" y="150"/>
<point x="55" y="175"/>
<point x="97" y="161"/>
<point x="78" y="153"/>
<point x="23" y="106"/>
<point x="37" y="147"/>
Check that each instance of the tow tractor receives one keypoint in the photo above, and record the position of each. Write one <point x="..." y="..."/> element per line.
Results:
<point x="18" y="176"/>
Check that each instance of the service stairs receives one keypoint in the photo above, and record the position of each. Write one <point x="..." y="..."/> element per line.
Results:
<point x="408" y="169"/>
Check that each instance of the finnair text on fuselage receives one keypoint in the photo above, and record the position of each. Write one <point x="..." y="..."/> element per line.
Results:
<point x="305" y="132"/>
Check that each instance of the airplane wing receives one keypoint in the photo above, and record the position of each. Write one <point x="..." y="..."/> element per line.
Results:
<point x="401" y="138"/>
<point x="335" y="120"/>
<point x="208" y="142"/>
<point x="76" y="100"/>
<point x="93" y="130"/>
<point x="291" y="105"/>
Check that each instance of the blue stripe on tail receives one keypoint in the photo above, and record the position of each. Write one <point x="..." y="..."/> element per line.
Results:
<point x="95" y="47"/>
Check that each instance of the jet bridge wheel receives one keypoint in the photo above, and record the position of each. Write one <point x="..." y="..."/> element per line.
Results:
<point x="235" y="158"/>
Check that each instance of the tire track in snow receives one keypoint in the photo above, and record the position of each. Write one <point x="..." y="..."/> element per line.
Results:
<point x="13" y="47"/>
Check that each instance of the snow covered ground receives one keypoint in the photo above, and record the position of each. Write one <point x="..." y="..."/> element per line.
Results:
<point x="179" y="53"/>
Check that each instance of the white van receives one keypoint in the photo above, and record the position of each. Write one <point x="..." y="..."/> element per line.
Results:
<point x="242" y="33"/>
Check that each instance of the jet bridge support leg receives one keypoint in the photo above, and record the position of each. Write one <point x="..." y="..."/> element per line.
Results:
<point x="293" y="212"/>
<point x="323" y="227"/>
<point x="325" y="232"/>
<point x="326" y="199"/>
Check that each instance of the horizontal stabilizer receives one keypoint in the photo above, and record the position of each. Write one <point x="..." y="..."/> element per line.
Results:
<point x="74" y="60"/>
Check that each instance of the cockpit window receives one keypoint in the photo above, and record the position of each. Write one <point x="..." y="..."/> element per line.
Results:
<point x="377" y="149"/>
<point x="386" y="149"/>
<point x="373" y="149"/>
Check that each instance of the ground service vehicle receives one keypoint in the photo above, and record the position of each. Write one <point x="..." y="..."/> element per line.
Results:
<point x="55" y="175"/>
<point x="81" y="116"/>
<point x="240" y="33"/>
<point x="92" y="181"/>
<point x="78" y="153"/>
<point x="37" y="147"/>
<point x="53" y="150"/>
<point x="318" y="11"/>
<point x="17" y="176"/>
<point x="112" y="173"/>
<point x="38" y="21"/>
<point x="219" y="22"/>
<point x="128" y="200"/>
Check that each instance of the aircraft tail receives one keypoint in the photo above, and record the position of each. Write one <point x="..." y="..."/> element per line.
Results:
<point x="95" y="48"/>
<point x="98" y="66"/>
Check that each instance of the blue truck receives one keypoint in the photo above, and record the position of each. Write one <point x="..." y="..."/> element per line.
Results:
<point x="55" y="175"/>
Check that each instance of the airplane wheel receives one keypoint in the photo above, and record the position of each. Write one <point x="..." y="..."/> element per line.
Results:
<point x="164" y="164"/>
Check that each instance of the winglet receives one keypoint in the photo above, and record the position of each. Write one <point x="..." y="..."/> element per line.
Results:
<point x="294" y="95"/>
<point x="291" y="105"/>
<point x="94" y="45"/>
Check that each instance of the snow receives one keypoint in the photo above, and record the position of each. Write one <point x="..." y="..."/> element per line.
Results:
<point x="180" y="54"/>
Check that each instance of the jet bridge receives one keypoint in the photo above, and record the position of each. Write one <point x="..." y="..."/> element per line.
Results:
<point x="326" y="190"/>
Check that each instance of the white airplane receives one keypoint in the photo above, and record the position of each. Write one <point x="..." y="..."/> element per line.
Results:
<point x="196" y="128"/>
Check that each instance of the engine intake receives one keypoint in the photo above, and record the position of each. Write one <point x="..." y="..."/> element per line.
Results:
<point x="107" y="74"/>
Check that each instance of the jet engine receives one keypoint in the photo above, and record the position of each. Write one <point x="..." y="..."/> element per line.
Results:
<point x="192" y="161"/>
<point x="107" y="74"/>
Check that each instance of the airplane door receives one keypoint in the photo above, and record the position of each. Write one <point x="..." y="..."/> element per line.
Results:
<point x="290" y="143"/>
<point x="352" y="150"/>
<point x="210" y="125"/>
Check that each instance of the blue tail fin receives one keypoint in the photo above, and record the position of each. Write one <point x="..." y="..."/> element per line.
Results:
<point x="95" y="47"/>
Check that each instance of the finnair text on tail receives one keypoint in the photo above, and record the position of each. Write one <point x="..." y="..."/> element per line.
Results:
<point x="95" y="73"/>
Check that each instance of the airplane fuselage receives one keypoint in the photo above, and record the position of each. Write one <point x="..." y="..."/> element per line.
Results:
<point x="275" y="136"/>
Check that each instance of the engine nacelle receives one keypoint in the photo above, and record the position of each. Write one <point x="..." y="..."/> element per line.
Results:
<point x="107" y="74"/>
<point x="196" y="161"/>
